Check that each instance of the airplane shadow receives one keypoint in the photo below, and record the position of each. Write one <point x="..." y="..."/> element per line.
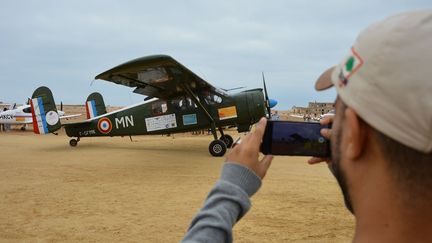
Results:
<point x="137" y="146"/>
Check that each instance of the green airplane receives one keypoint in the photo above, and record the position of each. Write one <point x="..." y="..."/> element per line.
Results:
<point x="177" y="101"/>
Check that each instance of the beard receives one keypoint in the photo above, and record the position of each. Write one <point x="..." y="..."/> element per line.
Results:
<point x="337" y="171"/>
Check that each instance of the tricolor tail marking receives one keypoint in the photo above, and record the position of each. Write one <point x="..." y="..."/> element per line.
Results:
<point x="38" y="116"/>
<point x="91" y="109"/>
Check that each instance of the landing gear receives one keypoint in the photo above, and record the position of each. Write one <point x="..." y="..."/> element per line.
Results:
<point x="23" y="128"/>
<point x="74" y="142"/>
<point x="228" y="140"/>
<point x="217" y="148"/>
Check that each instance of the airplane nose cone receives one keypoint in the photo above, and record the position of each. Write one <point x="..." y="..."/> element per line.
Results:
<point x="272" y="103"/>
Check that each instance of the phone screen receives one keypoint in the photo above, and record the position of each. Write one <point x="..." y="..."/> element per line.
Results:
<point x="295" y="138"/>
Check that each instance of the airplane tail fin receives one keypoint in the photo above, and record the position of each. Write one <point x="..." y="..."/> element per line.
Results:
<point x="95" y="105"/>
<point x="44" y="111"/>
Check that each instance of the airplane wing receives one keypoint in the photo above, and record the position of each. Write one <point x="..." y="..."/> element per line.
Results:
<point x="158" y="76"/>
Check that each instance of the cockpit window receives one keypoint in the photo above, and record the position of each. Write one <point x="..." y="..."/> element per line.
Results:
<point x="159" y="107"/>
<point x="27" y="110"/>
<point x="211" y="98"/>
<point x="183" y="103"/>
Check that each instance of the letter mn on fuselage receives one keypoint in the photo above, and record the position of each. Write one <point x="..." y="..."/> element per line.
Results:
<point x="124" y="121"/>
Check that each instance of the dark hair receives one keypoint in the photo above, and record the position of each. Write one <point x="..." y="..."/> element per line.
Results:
<point x="410" y="168"/>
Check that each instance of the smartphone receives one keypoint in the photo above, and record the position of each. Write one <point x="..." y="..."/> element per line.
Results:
<point x="295" y="138"/>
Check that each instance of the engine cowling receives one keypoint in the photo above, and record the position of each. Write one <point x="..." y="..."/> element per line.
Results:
<point x="252" y="106"/>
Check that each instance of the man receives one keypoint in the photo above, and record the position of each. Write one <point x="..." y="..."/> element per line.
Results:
<point x="3" y="126"/>
<point x="381" y="140"/>
<point x="275" y="116"/>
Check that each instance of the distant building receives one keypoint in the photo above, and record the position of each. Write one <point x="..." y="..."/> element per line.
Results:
<point x="314" y="109"/>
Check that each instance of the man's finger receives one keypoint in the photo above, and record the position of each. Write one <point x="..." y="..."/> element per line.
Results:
<point x="259" y="131"/>
<point x="265" y="164"/>
<point x="246" y="138"/>
<point x="266" y="161"/>
<point x="327" y="120"/>
<point x="326" y="132"/>
<point x="315" y="160"/>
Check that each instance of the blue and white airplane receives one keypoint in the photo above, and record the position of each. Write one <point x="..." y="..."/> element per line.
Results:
<point x="22" y="115"/>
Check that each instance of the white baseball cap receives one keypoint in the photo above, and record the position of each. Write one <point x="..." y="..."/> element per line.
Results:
<point x="387" y="78"/>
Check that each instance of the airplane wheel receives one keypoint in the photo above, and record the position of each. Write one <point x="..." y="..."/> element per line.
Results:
<point x="217" y="148"/>
<point x="73" y="142"/>
<point x="23" y="128"/>
<point x="228" y="140"/>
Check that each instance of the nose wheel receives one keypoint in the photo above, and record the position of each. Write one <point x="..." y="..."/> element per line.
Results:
<point x="217" y="148"/>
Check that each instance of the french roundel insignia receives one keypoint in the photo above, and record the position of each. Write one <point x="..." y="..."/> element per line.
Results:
<point x="104" y="125"/>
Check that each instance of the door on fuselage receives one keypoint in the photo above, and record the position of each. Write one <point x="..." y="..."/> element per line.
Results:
<point x="187" y="112"/>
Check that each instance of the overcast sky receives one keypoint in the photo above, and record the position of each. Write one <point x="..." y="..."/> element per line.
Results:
<point x="65" y="44"/>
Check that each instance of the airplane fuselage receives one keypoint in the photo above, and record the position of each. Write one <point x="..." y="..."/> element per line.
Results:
<point x="158" y="116"/>
<point x="20" y="115"/>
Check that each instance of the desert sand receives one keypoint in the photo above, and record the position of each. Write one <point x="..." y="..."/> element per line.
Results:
<point x="148" y="190"/>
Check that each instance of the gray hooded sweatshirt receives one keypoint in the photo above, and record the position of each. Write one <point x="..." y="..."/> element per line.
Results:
<point x="226" y="204"/>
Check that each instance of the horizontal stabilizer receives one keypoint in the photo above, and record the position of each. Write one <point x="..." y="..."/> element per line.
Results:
<point x="70" y="116"/>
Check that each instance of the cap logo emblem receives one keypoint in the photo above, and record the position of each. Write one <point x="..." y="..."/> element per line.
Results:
<point x="349" y="67"/>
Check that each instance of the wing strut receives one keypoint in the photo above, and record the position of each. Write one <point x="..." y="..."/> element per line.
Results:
<point x="200" y="105"/>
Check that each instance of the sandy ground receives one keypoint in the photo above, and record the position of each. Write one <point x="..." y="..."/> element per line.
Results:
<point x="148" y="190"/>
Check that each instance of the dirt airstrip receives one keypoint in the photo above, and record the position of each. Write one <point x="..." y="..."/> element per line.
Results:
<point x="147" y="190"/>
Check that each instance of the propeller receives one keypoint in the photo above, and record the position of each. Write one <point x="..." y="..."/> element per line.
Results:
<point x="267" y="103"/>
<point x="61" y="105"/>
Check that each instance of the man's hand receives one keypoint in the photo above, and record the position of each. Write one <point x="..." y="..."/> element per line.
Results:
<point x="325" y="132"/>
<point x="247" y="153"/>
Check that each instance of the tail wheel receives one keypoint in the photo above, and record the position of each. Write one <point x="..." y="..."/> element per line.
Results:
<point x="217" y="148"/>
<point x="73" y="142"/>
<point x="228" y="140"/>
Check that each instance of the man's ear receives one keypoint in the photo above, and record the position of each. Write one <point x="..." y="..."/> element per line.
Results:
<point x="356" y="134"/>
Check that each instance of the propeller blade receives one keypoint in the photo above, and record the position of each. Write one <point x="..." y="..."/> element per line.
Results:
<point x="266" y="96"/>
<point x="61" y="105"/>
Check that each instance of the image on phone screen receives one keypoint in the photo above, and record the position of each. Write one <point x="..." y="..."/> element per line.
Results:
<point x="295" y="138"/>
